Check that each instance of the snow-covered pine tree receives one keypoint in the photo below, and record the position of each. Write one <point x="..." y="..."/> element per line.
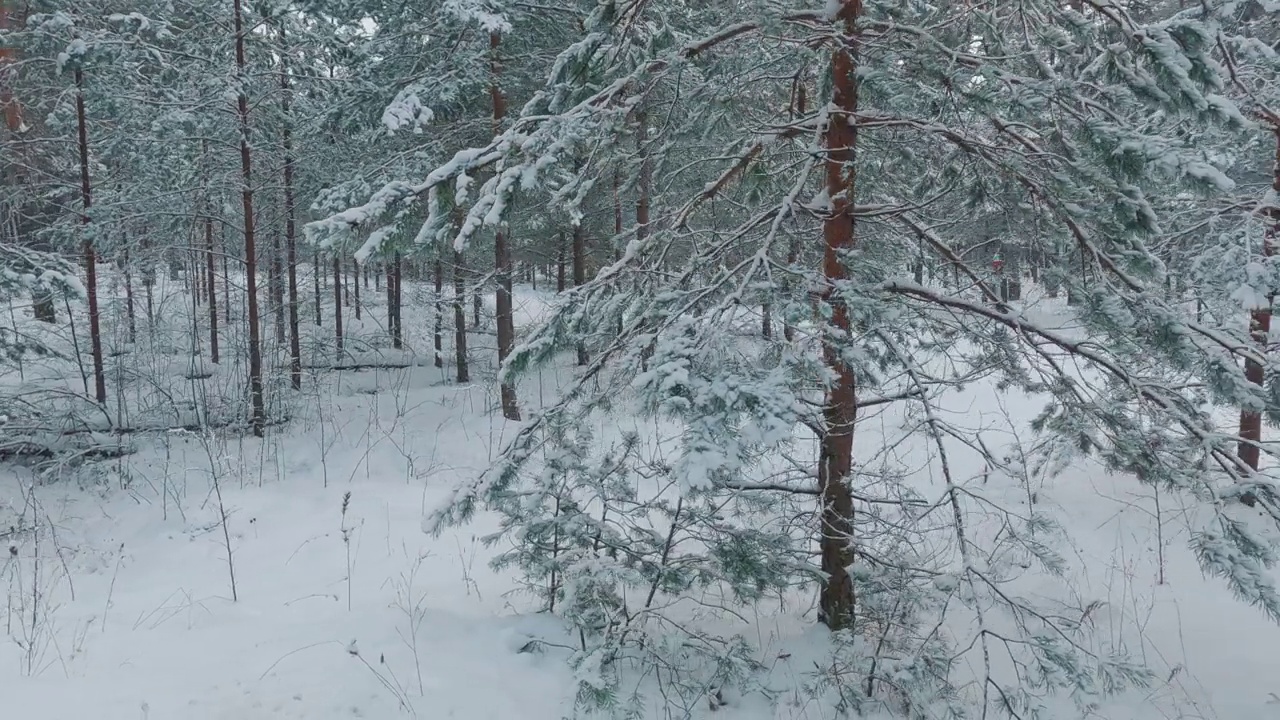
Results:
<point x="876" y="127"/>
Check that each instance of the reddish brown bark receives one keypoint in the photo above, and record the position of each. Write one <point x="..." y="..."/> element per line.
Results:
<point x="1248" y="449"/>
<point x="503" y="310"/>
<point x="835" y="462"/>
<point x="90" y="255"/>
<point x="256" y="399"/>
<point x="8" y="55"/>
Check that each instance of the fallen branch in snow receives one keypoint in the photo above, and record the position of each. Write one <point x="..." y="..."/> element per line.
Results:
<point x="33" y="431"/>
<point x="368" y="366"/>
<point x="34" y="449"/>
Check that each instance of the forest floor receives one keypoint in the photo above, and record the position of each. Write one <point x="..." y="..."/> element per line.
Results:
<point x="122" y="604"/>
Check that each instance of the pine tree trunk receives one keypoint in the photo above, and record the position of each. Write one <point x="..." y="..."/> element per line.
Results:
<point x="197" y="275"/>
<point x="391" y="300"/>
<point x="316" y="272"/>
<point x="90" y="255"/>
<point x="355" y="282"/>
<point x="397" y="331"/>
<point x="580" y="276"/>
<point x="460" y="318"/>
<point x="617" y="230"/>
<point x="226" y="281"/>
<point x="337" y="306"/>
<point x="439" y="309"/>
<point x="250" y="248"/>
<point x="835" y="462"/>
<point x="503" y="311"/>
<point x="560" y="263"/>
<point x="127" y="271"/>
<point x="290" y="222"/>
<point x="793" y="257"/>
<point x="642" y="205"/>
<point x="340" y="279"/>
<point x="148" y="277"/>
<point x="277" y="288"/>
<point x="212" y="286"/>
<point x="1260" y="330"/>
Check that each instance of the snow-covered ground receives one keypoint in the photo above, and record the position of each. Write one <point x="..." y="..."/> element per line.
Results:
<point x="121" y="602"/>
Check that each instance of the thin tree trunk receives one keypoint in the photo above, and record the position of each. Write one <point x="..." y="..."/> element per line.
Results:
<point x="642" y="204"/>
<point x="397" y="331"/>
<point x="213" y="284"/>
<point x="211" y="288"/>
<point x="439" y="308"/>
<point x="580" y="276"/>
<point x="128" y="294"/>
<point x="341" y="280"/>
<point x="290" y="221"/>
<point x="250" y="249"/>
<point x="355" y="282"/>
<point x="316" y="272"/>
<point x="277" y="288"/>
<point x="391" y="301"/>
<point x="337" y="305"/>
<point x="835" y="462"/>
<point x="617" y="229"/>
<point x="226" y="280"/>
<point x="460" y="318"/>
<point x="196" y="275"/>
<point x="560" y="263"/>
<point x="148" y="278"/>
<point x="90" y="255"/>
<point x="793" y="256"/>
<point x="1260" y="330"/>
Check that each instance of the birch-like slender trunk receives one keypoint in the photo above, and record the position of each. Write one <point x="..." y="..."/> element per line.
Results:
<point x="90" y="253"/>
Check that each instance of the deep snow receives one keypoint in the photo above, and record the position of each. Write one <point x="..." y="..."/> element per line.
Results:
<point x="119" y="597"/>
